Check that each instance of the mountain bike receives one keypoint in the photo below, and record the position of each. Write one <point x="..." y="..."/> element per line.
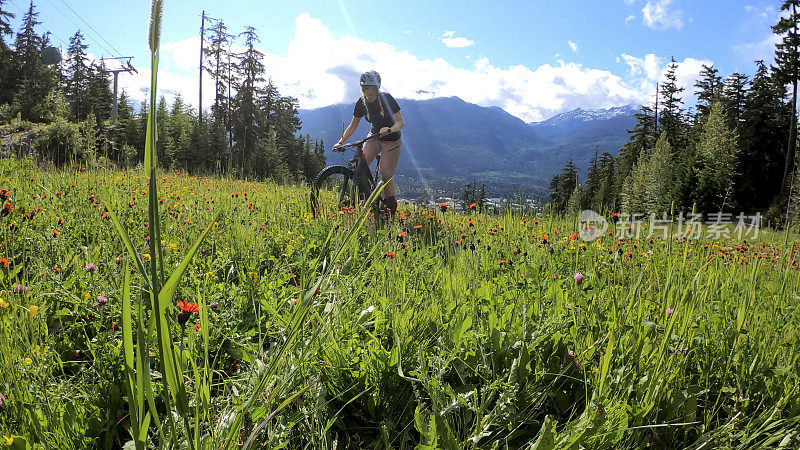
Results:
<point x="351" y="184"/>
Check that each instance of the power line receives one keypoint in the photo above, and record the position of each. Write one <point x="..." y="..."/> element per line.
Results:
<point x="92" y="28"/>
<point x="45" y="28"/>
<point x="74" y="23"/>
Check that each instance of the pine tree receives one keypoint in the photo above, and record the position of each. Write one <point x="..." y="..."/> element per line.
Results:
<point x="709" y="87"/>
<point x="716" y="167"/>
<point x="78" y="77"/>
<point x="247" y="114"/>
<point x="659" y="177"/>
<point x="6" y="83"/>
<point x="641" y="141"/>
<point x="218" y="57"/>
<point x="787" y="69"/>
<point x="733" y="99"/>
<point x="99" y="97"/>
<point x="763" y="139"/>
<point x="671" y="113"/>
<point x="164" y="144"/>
<point x="562" y="187"/>
<point x="32" y="92"/>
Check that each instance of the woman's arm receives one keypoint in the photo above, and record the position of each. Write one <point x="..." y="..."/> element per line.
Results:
<point x="349" y="130"/>
<point x="398" y="124"/>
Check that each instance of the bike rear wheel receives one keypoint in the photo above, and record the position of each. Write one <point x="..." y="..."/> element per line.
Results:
<point x="333" y="190"/>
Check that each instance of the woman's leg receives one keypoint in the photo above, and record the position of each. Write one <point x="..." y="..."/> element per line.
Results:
<point x="390" y="155"/>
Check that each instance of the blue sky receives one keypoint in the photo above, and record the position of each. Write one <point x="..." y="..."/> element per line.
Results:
<point x="533" y="58"/>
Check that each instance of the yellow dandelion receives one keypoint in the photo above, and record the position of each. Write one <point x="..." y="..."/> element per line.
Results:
<point x="8" y="440"/>
<point x="146" y="256"/>
<point x="3" y="304"/>
<point x="28" y="361"/>
<point x="32" y="311"/>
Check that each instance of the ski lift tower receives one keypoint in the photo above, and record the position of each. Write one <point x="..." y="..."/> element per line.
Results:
<point x="124" y="66"/>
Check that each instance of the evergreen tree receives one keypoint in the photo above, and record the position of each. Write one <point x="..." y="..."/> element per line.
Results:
<point x="218" y="57"/>
<point x="6" y="84"/>
<point x="709" y="87"/>
<point x="247" y="114"/>
<point x="716" y="154"/>
<point x="670" y="118"/>
<point x="99" y="97"/>
<point x="733" y="99"/>
<point x="562" y="186"/>
<point x="79" y="75"/>
<point x="164" y="148"/>
<point x="641" y="141"/>
<point x="787" y="69"/>
<point x="659" y="177"/>
<point x="34" y="81"/>
<point x="763" y="139"/>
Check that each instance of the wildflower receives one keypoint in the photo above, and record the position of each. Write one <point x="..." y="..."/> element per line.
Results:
<point x="4" y="194"/>
<point x="472" y="205"/>
<point x="214" y="305"/>
<point x="102" y="299"/>
<point x="28" y="361"/>
<point x="501" y="262"/>
<point x="670" y="311"/>
<point x="4" y="304"/>
<point x="3" y="262"/>
<point x="570" y="352"/>
<point x="578" y="278"/>
<point x="91" y="267"/>
<point x="20" y="289"/>
<point x="578" y="365"/>
<point x="187" y="309"/>
<point x="145" y="256"/>
<point x="8" y="441"/>
<point x="389" y="255"/>
<point x="8" y="207"/>
<point x="417" y="227"/>
<point x="197" y="327"/>
<point x="2" y="399"/>
<point x="32" y="311"/>
<point x="443" y="206"/>
<point x="56" y="233"/>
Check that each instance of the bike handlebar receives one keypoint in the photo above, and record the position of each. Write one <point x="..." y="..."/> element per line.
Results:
<point x="356" y="143"/>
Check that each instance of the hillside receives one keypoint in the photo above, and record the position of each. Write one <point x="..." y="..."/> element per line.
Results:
<point x="448" y="142"/>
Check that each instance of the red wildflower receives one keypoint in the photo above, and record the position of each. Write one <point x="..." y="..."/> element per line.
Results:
<point x="188" y="307"/>
<point x="8" y="206"/>
<point x="3" y="262"/>
<point x="417" y="227"/>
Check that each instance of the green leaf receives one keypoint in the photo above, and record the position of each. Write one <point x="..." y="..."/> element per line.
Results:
<point x="546" y="439"/>
<point x="128" y="245"/>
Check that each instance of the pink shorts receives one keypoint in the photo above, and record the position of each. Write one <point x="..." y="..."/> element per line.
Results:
<point x="390" y="150"/>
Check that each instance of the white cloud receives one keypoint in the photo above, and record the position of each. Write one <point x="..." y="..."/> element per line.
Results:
<point x="647" y="71"/>
<point x="658" y="15"/>
<point x="457" y="42"/>
<point x="629" y="19"/>
<point x="760" y="50"/>
<point x="320" y="69"/>
<point x="630" y="2"/>
<point x="573" y="46"/>
<point x="450" y="39"/>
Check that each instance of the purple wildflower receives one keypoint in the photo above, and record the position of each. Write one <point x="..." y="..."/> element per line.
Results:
<point x="570" y="352"/>
<point x="102" y="299"/>
<point x="214" y="305"/>
<point x="670" y="311"/>
<point x="91" y="267"/>
<point x="18" y="288"/>
<point x="578" y="278"/>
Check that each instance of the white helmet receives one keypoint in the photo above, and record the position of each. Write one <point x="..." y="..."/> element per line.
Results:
<point x="371" y="78"/>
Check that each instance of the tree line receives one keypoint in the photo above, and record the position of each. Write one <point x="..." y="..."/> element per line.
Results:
<point x="734" y="151"/>
<point x="250" y="130"/>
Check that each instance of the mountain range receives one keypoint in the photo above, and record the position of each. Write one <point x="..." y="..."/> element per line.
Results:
<point x="448" y="142"/>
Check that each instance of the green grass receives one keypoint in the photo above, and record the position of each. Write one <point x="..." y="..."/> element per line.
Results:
<point x="328" y="333"/>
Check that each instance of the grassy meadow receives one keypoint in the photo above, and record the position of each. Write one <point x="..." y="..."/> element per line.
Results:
<point x="445" y="330"/>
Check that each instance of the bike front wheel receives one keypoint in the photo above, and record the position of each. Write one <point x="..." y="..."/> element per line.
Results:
<point x="333" y="189"/>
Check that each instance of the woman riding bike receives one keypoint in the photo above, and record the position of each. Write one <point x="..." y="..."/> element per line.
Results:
<point x="383" y="112"/>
